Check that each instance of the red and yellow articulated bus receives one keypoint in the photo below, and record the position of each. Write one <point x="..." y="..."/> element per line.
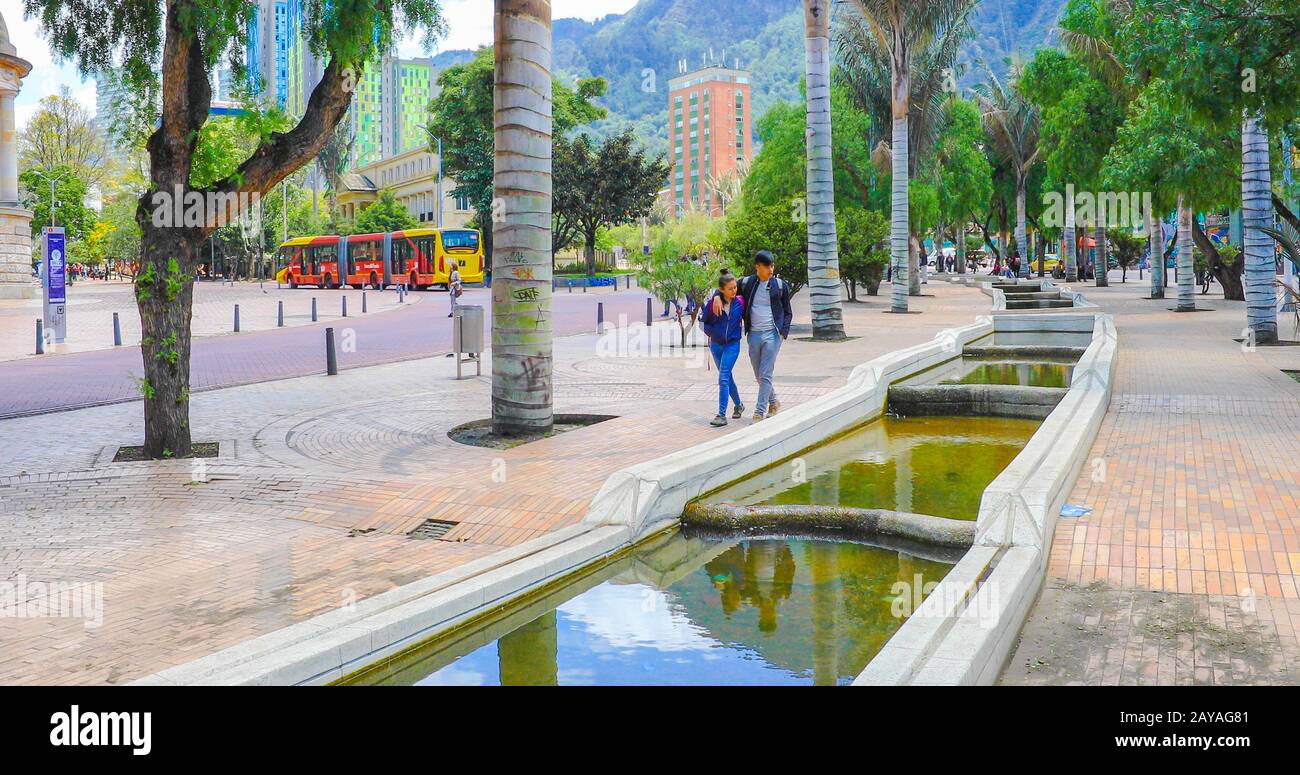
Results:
<point x="420" y="258"/>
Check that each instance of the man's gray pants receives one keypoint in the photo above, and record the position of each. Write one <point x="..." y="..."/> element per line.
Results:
<point x="763" y="349"/>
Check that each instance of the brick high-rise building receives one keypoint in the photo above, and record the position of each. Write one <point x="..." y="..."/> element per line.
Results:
<point x="709" y="133"/>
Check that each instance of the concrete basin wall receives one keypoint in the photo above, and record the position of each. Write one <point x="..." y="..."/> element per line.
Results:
<point x="963" y="633"/>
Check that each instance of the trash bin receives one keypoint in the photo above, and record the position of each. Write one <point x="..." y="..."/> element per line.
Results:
<point x="467" y="336"/>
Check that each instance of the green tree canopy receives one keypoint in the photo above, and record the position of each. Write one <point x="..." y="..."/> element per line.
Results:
<point x="780" y="228"/>
<point x="599" y="186"/>
<point x="70" y="210"/>
<point x="778" y="175"/>
<point x="462" y="117"/>
<point x="384" y="214"/>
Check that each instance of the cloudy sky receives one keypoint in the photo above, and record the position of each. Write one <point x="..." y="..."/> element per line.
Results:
<point x="470" y="23"/>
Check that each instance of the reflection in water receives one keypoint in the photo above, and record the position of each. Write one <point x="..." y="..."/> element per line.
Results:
<point x="924" y="465"/>
<point x="695" y="611"/>
<point x="528" y="656"/>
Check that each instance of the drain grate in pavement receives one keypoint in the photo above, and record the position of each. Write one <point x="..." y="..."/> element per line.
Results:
<point x="431" y="528"/>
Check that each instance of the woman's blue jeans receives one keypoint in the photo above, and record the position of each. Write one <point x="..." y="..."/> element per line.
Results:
<point x="725" y="355"/>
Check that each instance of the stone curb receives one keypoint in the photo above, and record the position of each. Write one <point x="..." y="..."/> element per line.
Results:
<point x="864" y="523"/>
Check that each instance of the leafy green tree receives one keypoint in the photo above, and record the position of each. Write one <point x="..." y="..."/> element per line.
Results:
<point x="170" y="51"/>
<point x="780" y="228"/>
<point x="777" y="172"/>
<point x="863" y="253"/>
<point x="683" y="263"/>
<point x="1232" y="63"/>
<point x="384" y="214"/>
<point x="462" y="116"/>
<point x="1159" y="150"/>
<point x="965" y="175"/>
<point x="63" y="133"/>
<point x="70" y="210"/>
<point x="601" y="186"/>
<point x="1128" y="249"/>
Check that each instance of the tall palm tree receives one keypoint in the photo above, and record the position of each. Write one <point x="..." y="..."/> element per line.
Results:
<point x="1156" y="241"/>
<point x="894" y="30"/>
<point x="823" y="256"/>
<point x="1012" y="124"/>
<point x="1186" y="266"/>
<point x="521" y="290"/>
<point x="1256" y="215"/>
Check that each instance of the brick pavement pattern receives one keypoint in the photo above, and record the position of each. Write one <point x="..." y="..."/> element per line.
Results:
<point x="322" y="479"/>
<point x="1187" y="570"/>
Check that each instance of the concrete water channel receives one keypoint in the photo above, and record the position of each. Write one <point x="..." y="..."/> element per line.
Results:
<point x="797" y="574"/>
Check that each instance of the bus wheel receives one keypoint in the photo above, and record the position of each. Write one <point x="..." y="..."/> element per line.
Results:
<point x="374" y="282"/>
<point x="324" y="282"/>
<point x="414" y="285"/>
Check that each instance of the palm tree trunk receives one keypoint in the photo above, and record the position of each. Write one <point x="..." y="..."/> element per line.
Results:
<point x="521" y="289"/>
<point x="899" y="234"/>
<point x="1156" y="241"/>
<point x="938" y="248"/>
<point x="1186" y="301"/>
<point x="1022" y="243"/>
<point x="823" y="256"/>
<point x="1071" y="244"/>
<point x="1257" y="247"/>
<point x="914" y="265"/>
<point x="1101" y="260"/>
<point x="961" y="248"/>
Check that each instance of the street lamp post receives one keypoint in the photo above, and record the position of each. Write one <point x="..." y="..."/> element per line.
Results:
<point x="439" y="192"/>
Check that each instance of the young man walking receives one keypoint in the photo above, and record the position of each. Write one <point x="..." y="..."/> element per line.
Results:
<point x="767" y="317"/>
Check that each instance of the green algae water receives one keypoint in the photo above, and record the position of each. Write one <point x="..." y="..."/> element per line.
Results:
<point x="924" y="465"/>
<point x="1035" y="374"/>
<point x="967" y="370"/>
<point x="689" y="609"/>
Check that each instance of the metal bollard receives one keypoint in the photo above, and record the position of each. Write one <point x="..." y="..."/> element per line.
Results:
<point x="629" y="282"/>
<point x="279" y="314"/>
<point x="600" y="315"/>
<point x="117" y="331"/>
<point x="40" y="336"/>
<point x="649" y="315"/>
<point x="313" y="309"/>
<point x="331" y="357"/>
<point x="570" y="284"/>
<point x="345" y="306"/>
<point x="401" y="294"/>
<point x="363" y="302"/>
<point x="236" y="318"/>
<point x="584" y="286"/>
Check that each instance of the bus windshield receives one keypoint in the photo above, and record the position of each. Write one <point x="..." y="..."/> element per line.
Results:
<point x="452" y="240"/>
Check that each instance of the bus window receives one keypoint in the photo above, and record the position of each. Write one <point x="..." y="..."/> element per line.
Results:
<point x="425" y="246"/>
<point x="401" y="254"/>
<point x="460" y="239"/>
<point x="367" y="250"/>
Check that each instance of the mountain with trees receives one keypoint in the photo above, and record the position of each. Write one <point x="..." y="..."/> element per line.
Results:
<point x="639" y="51"/>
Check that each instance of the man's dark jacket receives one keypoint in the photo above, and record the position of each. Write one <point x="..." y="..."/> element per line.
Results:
<point x="779" y="292"/>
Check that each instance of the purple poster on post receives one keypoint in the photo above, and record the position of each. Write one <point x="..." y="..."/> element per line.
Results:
<point x="58" y="268"/>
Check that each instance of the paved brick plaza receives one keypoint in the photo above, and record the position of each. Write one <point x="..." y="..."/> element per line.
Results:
<point x="1188" y="568"/>
<point x="324" y="477"/>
